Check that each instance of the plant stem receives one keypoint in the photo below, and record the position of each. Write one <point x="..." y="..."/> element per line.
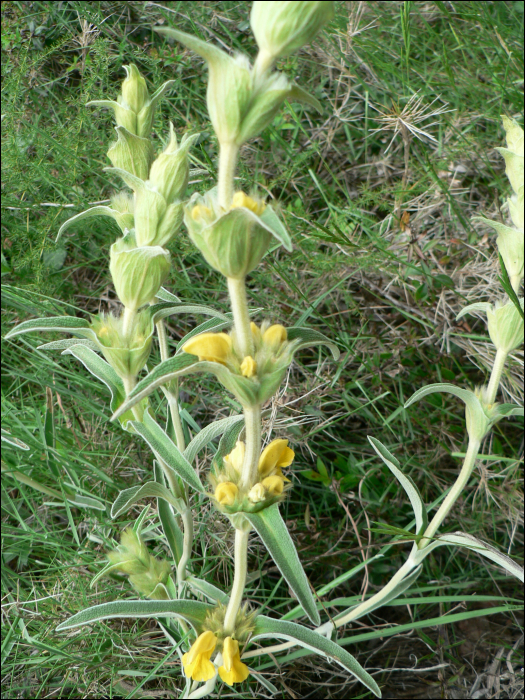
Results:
<point x="227" y="163"/>
<point x="129" y="384"/>
<point x="127" y="321"/>
<point x="172" y="396"/>
<point x="252" y="423"/>
<point x="187" y="544"/>
<point x="453" y="494"/>
<point x="495" y="376"/>
<point x="239" y="579"/>
<point x="263" y="64"/>
<point x="241" y="317"/>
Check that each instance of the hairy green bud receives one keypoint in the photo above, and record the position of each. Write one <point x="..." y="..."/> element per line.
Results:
<point x="505" y="326"/>
<point x="131" y="153"/>
<point x="138" y="272"/>
<point x="126" y="353"/>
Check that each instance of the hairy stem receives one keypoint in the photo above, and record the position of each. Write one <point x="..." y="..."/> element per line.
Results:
<point x="453" y="494"/>
<point x="239" y="580"/>
<point x="127" y="321"/>
<point x="227" y="163"/>
<point x="495" y="375"/>
<point x="252" y="423"/>
<point x="241" y="317"/>
<point x="187" y="544"/>
<point x="172" y="396"/>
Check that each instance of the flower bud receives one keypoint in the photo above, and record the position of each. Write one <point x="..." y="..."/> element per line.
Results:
<point x="274" y="485"/>
<point x="248" y="367"/>
<point x="281" y="28"/>
<point x="226" y="493"/>
<point x="137" y="272"/>
<point x="235" y="459"/>
<point x="131" y="153"/>
<point x="135" y="93"/>
<point x="505" y="326"/>
<point x="170" y="171"/>
<point x="147" y="574"/>
<point x="123" y="206"/>
<point x="127" y="354"/>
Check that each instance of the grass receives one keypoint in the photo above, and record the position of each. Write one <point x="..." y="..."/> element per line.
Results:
<point x="384" y="257"/>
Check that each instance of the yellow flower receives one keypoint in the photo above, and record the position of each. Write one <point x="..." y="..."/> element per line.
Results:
<point x="213" y="347"/>
<point x="196" y="661"/>
<point x="275" y="456"/>
<point x="248" y="367"/>
<point x="255" y="331"/>
<point x="242" y="200"/>
<point x="274" y="484"/>
<point x="275" y="335"/>
<point x="226" y="492"/>
<point x="257" y="493"/>
<point x="236" y="457"/>
<point x="201" y="212"/>
<point x="233" y="670"/>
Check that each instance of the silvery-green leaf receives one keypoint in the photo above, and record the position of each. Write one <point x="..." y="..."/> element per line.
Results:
<point x="163" y="309"/>
<point x="268" y="628"/>
<point x="208" y="589"/>
<point x="406" y="482"/>
<point x="212" y="325"/>
<point x="170" y="526"/>
<point x="208" y="433"/>
<point x="194" y="612"/>
<point x="308" y="337"/>
<point x="99" y="210"/>
<point x="276" y="227"/>
<point x="467" y="396"/>
<point x="206" y="50"/>
<point x="166" y="451"/>
<point x="101" y="370"/>
<point x="151" y="489"/>
<point x="462" y="539"/>
<point x="81" y="501"/>
<point x="67" y="343"/>
<point x="496" y="225"/>
<point x="164" y="295"/>
<point x="479" y="306"/>
<point x="164" y="372"/>
<point x="64" y="324"/>
<point x="272" y="530"/>
<point x="506" y="410"/>
<point x="228" y="440"/>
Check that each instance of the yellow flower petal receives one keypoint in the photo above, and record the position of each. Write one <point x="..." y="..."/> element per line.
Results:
<point x="242" y="200"/>
<point x="233" y="670"/>
<point x="213" y="347"/>
<point x="236" y="457"/>
<point x="226" y="492"/>
<point x="275" y="335"/>
<point x="200" y="211"/>
<point x="196" y="661"/>
<point x="274" y="456"/>
<point x="255" y="331"/>
<point x="274" y="484"/>
<point x="248" y="367"/>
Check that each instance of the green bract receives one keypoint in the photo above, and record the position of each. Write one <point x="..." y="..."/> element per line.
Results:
<point x="137" y="272"/>
<point x="131" y="153"/>
<point x="504" y="322"/>
<point x="232" y="241"/>
<point x="127" y="354"/>
<point x="281" y="28"/>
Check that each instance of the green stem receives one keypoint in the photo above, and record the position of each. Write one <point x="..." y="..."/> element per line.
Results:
<point x="127" y="321"/>
<point x="263" y="64"/>
<point x="453" y="494"/>
<point x="227" y="163"/>
<point x="239" y="580"/>
<point x="241" y="317"/>
<point x="129" y="385"/>
<point x="172" y="396"/>
<point x="495" y="376"/>
<point x="252" y="423"/>
<point x="186" y="548"/>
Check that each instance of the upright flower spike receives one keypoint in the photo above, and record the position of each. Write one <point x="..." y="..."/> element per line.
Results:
<point x="232" y="670"/>
<point x="134" y="108"/>
<point x="196" y="661"/>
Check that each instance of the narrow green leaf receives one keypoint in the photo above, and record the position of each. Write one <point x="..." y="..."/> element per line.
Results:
<point x="101" y="370"/>
<point x="308" y="337"/>
<point x="14" y="442"/>
<point x="170" y="525"/>
<point x="65" y="324"/>
<point x="297" y="94"/>
<point x="208" y="589"/>
<point x="167" y="451"/>
<point x="151" y="489"/>
<point x="507" y="286"/>
<point x="164" y="309"/>
<point x="273" y="532"/>
<point x="67" y="343"/>
<point x="161" y="374"/>
<point x="165" y="295"/>
<point x="406" y="482"/>
<point x="462" y="539"/>
<point x="268" y="628"/>
<point x="192" y="611"/>
<point x="208" y="433"/>
<point x="99" y="210"/>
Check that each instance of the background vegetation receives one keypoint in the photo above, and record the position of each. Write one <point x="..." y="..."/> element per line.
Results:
<point x="385" y="255"/>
